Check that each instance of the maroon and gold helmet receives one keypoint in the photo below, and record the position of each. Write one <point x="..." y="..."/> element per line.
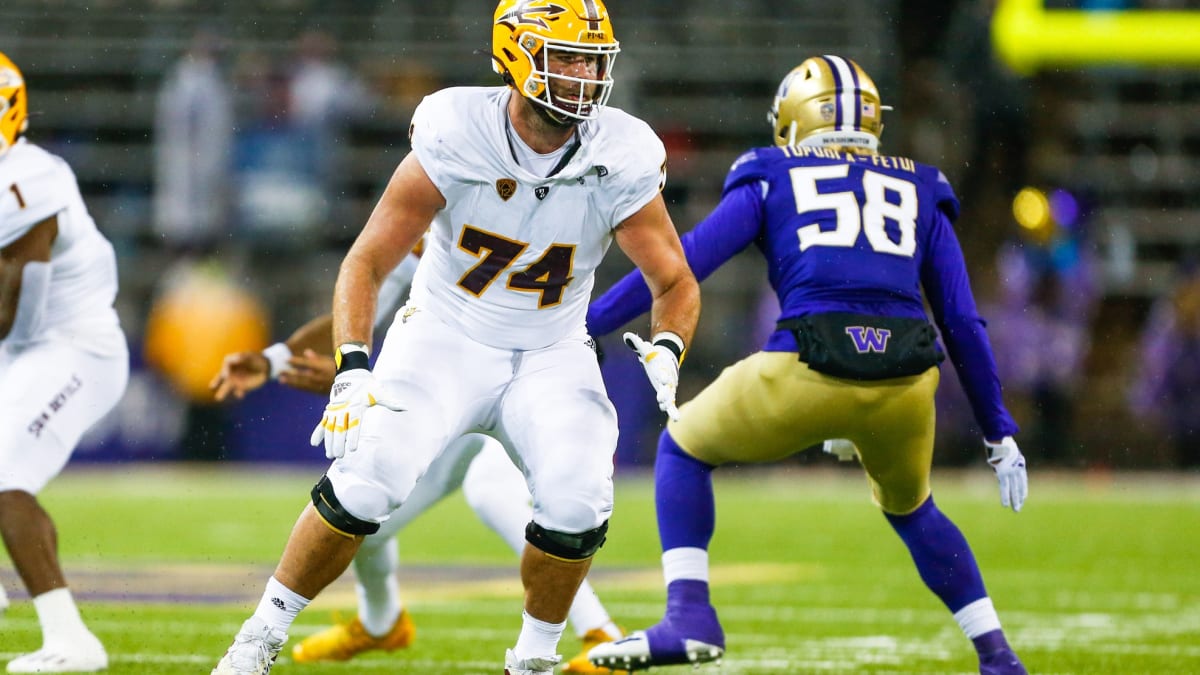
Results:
<point x="525" y="33"/>
<point x="14" y="108"/>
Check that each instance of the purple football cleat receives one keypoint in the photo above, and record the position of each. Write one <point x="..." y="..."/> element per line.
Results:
<point x="690" y="633"/>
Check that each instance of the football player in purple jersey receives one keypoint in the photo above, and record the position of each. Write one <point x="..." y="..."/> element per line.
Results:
<point x="856" y="242"/>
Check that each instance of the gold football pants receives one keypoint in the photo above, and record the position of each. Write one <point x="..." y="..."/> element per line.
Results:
<point x="771" y="405"/>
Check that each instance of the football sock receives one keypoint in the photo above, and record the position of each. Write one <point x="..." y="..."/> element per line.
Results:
<point x="378" y="591"/>
<point x="58" y="616"/>
<point x="587" y="612"/>
<point x="3" y="599"/>
<point x="279" y="605"/>
<point x="685" y="562"/>
<point x="538" y="638"/>
<point x="942" y="556"/>
<point x="979" y="619"/>
<point x="683" y="497"/>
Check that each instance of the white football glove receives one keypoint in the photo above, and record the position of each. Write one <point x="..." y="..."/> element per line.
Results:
<point x="1009" y="464"/>
<point x="353" y="392"/>
<point x="841" y="448"/>
<point x="662" y="367"/>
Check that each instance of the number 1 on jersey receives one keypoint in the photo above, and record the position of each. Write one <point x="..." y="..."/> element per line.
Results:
<point x="17" y="193"/>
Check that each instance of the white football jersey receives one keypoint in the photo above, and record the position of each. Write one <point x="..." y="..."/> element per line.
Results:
<point x="35" y="185"/>
<point x="511" y="259"/>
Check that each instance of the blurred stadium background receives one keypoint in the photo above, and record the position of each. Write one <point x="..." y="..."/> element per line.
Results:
<point x="1079" y="181"/>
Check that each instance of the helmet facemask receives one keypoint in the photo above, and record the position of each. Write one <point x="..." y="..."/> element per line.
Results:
<point x="577" y="98"/>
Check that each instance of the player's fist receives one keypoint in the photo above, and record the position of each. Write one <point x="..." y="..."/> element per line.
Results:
<point x="662" y="367"/>
<point x="1009" y="464"/>
<point x="353" y="392"/>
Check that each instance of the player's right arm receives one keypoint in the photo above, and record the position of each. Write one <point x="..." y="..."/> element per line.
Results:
<point x="399" y="220"/>
<point x="24" y="278"/>
<point x="302" y="361"/>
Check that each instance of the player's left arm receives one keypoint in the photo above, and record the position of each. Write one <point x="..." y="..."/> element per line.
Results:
<point x="728" y="230"/>
<point x="649" y="239"/>
<point x="25" y="279"/>
<point x="947" y="287"/>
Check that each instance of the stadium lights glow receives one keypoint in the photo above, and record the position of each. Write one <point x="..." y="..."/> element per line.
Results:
<point x="1027" y="36"/>
<point x="1031" y="209"/>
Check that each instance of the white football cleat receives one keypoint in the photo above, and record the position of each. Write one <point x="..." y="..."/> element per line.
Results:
<point x="81" y="654"/>
<point x="253" y="650"/>
<point x="536" y="666"/>
<point x="3" y="600"/>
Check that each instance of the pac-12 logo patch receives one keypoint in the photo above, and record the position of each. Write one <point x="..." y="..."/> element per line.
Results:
<point x="541" y="191"/>
<point x="506" y="188"/>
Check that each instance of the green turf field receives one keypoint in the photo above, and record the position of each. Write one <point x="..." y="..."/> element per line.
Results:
<point x="1097" y="575"/>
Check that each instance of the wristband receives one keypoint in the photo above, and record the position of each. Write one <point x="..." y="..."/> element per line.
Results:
<point x="351" y="356"/>
<point x="277" y="355"/>
<point x="671" y="342"/>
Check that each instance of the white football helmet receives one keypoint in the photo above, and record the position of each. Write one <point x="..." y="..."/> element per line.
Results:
<point x="525" y="33"/>
<point x="827" y="100"/>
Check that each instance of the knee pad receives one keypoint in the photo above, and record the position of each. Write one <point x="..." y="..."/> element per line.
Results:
<point x="335" y="516"/>
<point x="566" y="546"/>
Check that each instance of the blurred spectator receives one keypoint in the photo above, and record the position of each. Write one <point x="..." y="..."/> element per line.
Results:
<point x="280" y="200"/>
<point x="1041" y="326"/>
<point x="325" y="97"/>
<point x="1166" y="391"/>
<point x="193" y="144"/>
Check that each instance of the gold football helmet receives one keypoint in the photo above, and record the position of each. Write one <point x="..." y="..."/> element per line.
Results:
<point x="827" y="100"/>
<point x="14" y="109"/>
<point x="526" y="33"/>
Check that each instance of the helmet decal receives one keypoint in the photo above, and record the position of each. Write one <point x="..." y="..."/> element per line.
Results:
<point x="531" y="16"/>
<point x="591" y="15"/>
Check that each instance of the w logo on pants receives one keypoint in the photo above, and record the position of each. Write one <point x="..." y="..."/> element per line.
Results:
<point x="868" y="338"/>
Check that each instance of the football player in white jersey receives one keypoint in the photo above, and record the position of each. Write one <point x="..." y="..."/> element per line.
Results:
<point x="64" y="364"/>
<point x="490" y="482"/>
<point x="522" y="188"/>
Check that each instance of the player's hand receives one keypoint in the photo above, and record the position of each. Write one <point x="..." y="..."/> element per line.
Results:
<point x="353" y="392"/>
<point x="841" y="448"/>
<point x="240" y="372"/>
<point x="310" y="371"/>
<point x="661" y="367"/>
<point x="1009" y="464"/>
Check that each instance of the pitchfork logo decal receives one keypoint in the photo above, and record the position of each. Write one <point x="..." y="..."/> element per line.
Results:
<point x="869" y="339"/>
<point x="523" y="14"/>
